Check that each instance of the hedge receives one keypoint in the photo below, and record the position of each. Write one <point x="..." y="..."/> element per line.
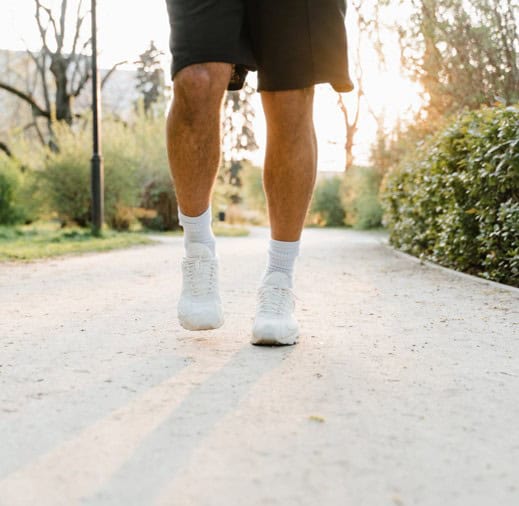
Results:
<point x="455" y="201"/>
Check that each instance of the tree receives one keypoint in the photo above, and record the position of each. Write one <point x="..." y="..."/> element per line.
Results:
<point x="61" y="71"/>
<point x="150" y="77"/>
<point x="463" y="52"/>
<point x="367" y="31"/>
<point x="351" y="123"/>
<point x="69" y="70"/>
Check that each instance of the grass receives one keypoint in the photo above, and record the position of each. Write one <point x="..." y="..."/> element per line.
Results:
<point x="31" y="242"/>
<point x="47" y="239"/>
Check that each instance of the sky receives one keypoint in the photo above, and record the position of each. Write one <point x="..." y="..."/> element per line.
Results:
<point x="125" y="29"/>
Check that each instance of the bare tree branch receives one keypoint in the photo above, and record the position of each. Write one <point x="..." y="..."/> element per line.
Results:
<point x="111" y="71"/>
<point x="81" y="84"/>
<point x="62" y="19"/>
<point x="86" y="44"/>
<point x="351" y="124"/>
<point x="52" y="21"/>
<point x="42" y="71"/>
<point x="343" y="108"/>
<point x="38" y="110"/>
<point x="76" y="36"/>
<point x="41" y="28"/>
<point x="34" y="58"/>
<point x="77" y="59"/>
<point x="5" y="149"/>
<point x="34" y="125"/>
<point x="360" y="83"/>
<point x="77" y="33"/>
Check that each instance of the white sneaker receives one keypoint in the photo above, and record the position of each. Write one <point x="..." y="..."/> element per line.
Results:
<point x="275" y="322"/>
<point x="200" y="306"/>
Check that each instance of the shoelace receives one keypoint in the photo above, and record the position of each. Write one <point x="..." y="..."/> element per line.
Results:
<point x="201" y="276"/>
<point x="275" y="300"/>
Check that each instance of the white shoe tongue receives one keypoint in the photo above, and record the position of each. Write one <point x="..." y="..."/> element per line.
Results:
<point x="198" y="250"/>
<point x="279" y="279"/>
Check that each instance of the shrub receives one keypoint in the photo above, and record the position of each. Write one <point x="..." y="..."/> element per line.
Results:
<point x="122" y="161"/>
<point x="159" y="198"/>
<point x="9" y="212"/>
<point x="360" y="198"/>
<point x="326" y="204"/>
<point x="455" y="201"/>
<point x="67" y="176"/>
<point x="19" y="199"/>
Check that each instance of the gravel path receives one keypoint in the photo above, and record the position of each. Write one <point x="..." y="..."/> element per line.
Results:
<point x="403" y="391"/>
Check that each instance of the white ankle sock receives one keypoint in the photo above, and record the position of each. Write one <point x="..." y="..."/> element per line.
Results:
<point x="198" y="229"/>
<point x="281" y="257"/>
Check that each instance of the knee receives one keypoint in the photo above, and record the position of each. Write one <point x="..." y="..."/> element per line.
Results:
<point x="200" y="86"/>
<point x="292" y="107"/>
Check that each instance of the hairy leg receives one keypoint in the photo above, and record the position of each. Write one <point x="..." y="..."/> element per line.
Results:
<point x="291" y="160"/>
<point x="193" y="133"/>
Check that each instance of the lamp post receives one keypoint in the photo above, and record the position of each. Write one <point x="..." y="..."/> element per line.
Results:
<point x="97" y="171"/>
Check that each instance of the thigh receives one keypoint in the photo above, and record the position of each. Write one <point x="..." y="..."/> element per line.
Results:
<point x="299" y="43"/>
<point x="208" y="31"/>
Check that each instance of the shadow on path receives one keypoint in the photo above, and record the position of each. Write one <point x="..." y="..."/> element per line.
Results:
<point x="170" y="445"/>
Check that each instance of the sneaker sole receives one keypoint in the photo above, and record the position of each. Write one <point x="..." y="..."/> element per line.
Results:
<point x="200" y="327"/>
<point x="279" y="341"/>
<point x="188" y="326"/>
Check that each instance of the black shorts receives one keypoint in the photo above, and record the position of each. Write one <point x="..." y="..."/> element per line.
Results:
<point x="292" y="44"/>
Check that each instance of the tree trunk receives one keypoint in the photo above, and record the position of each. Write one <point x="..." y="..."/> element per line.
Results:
<point x="349" y="147"/>
<point x="58" y="68"/>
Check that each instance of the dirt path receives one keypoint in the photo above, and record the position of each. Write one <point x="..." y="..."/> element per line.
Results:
<point x="404" y="389"/>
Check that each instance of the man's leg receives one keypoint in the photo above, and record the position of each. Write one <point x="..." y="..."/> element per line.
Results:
<point x="193" y="133"/>
<point x="193" y="138"/>
<point x="290" y="167"/>
<point x="291" y="160"/>
<point x="289" y="178"/>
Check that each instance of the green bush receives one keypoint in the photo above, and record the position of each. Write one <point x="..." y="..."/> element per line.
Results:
<point x="326" y="204"/>
<point x="58" y="183"/>
<point x="122" y="160"/>
<point x="66" y="175"/>
<point x="360" y="198"/>
<point x="66" y="178"/>
<point x="19" y="200"/>
<point x="455" y="201"/>
<point x="9" y="212"/>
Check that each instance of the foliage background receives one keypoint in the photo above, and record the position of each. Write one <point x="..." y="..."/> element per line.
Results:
<point x="455" y="200"/>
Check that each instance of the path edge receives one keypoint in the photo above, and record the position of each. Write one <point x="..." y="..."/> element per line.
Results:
<point x="462" y="275"/>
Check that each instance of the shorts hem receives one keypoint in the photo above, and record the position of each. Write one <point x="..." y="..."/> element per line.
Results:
<point x="178" y="66"/>
<point x="341" y="85"/>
